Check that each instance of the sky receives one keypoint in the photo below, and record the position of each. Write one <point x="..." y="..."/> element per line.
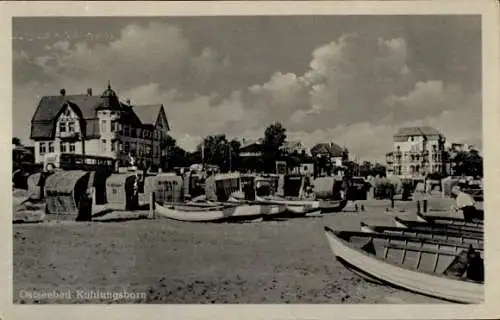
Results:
<point x="352" y="80"/>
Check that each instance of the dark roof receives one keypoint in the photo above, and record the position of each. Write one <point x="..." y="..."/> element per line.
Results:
<point x="417" y="131"/>
<point x="148" y="113"/>
<point x="49" y="106"/>
<point x="330" y="149"/>
<point x="252" y="147"/>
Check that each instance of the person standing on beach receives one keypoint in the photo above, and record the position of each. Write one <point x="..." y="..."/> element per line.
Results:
<point x="465" y="203"/>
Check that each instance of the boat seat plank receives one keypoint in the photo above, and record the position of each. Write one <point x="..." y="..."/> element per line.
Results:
<point x="423" y="250"/>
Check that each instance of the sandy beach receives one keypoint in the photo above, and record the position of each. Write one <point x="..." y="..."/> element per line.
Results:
<point x="177" y="262"/>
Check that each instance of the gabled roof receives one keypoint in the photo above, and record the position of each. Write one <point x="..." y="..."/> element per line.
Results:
<point x="417" y="131"/>
<point x="253" y="142"/>
<point x="330" y="149"/>
<point x="148" y="113"/>
<point x="49" y="106"/>
<point x="291" y="145"/>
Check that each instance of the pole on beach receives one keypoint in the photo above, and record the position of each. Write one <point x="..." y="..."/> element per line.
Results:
<point x="151" y="214"/>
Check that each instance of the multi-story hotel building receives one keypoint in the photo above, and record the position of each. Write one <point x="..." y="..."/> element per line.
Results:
<point x="99" y="126"/>
<point x="417" y="151"/>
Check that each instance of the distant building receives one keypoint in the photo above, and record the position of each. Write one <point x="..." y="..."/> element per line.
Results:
<point x="417" y="151"/>
<point x="331" y="156"/>
<point x="99" y="126"/>
<point x="334" y="153"/>
<point x="292" y="147"/>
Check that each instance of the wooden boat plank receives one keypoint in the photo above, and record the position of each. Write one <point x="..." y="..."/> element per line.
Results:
<point x="434" y="285"/>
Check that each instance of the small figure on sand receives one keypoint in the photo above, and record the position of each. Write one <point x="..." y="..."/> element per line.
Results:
<point x="465" y="203"/>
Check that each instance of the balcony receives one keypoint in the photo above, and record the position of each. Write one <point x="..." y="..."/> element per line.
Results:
<point x="69" y="135"/>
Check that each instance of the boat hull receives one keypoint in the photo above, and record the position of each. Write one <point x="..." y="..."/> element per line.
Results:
<point x="299" y="207"/>
<point x="450" y="221"/>
<point x="217" y="213"/>
<point x="438" y="227"/>
<point x="443" y="237"/>
<point x="420" y="281"/>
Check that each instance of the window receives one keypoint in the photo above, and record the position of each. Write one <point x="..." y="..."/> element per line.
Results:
<point x="113" y="146"/>
<point x="63" y="147"/>
<point x="51" y="146"/>
<point x="103" y="125"/>
<point x="42" y="148"/>
<point x="103" y="145"/>
<point x="133" y="133"/>
<point x="62" y="127"/>
<point x="125" y="129"/>
<point x="126" y="147"/>
<point x="71" y="126"/>
<point x="113" y="126"/>
<point x="72" y="147"/>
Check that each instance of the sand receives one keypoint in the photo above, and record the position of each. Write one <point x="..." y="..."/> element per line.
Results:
<point x="165" y="261"/>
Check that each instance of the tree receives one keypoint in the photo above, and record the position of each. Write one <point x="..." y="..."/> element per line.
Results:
<point x="379" y="169"/>
<point x="274" y="138"/>
<point x="468" y="163"/>
<point x="366" y="169"/>
<point x="169" y="144"/>
<point x="219" y="151"/>
<point x="16" y="141"/>
<point x="352" y="168"/>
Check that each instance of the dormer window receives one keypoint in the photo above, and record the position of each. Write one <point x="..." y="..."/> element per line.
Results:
<point x="62" y="127"/>
<point x="71" y="126"/>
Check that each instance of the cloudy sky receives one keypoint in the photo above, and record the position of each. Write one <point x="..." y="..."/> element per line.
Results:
<point x="353" y="80"/>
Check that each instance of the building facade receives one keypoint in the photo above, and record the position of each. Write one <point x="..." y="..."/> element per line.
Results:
<point x="99" y="126"/>
<point x="417" y="151"/>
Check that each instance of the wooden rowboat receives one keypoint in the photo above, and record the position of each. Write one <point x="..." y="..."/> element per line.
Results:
<point x="417" y="265"/>
<point x="449" y="220"/>
<point x="406" y="223"/>
<point x="433" y="227"/>
<point x="294" y="206"/>
<point x="217" y="213"/>
<point x="444" y="237"/>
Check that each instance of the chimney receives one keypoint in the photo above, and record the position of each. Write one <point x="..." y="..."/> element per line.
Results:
<point x="89" y="92"/>
<point x="63" y="92"/>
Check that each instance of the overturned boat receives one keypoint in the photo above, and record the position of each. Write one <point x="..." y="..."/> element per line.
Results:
<point x="447" y="237"/>
<point x="445" y="271"/>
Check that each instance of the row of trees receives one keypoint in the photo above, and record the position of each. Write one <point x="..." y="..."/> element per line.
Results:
<point x="223" y="152"/>
<point x="220" y="151"/>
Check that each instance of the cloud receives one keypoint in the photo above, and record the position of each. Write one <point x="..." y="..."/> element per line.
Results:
<point x="356" y="91"/>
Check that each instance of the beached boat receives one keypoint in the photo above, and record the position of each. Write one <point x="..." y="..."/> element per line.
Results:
<point x="406" y="223"/>
<point x="449" y="220"/>
<point x="448" y="237"/>
<point x="327" y="206"/>
<point x="216" y="213"/>
<point x="445" y="271"/>
<point x="439" y="227"/>
<point x="292" y="205"/>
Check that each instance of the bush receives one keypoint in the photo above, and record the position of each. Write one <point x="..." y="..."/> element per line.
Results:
<point x="383" y="190"/>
